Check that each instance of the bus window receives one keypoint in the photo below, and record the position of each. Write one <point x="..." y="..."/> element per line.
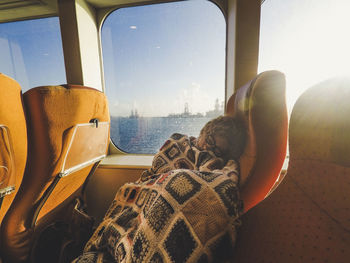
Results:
<point x="307" y="40"/>
<point x="164" y="70"/>
<point x="31" y="52"/>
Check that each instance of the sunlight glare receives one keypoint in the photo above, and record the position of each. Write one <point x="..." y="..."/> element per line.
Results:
<point x="309" y="42"/>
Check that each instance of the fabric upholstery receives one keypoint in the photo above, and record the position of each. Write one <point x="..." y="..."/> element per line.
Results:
<point x="51" y="111"/>
<point x="307" y="217"/>
<point x="12" y="115"/>
<point x="261" y="105"/>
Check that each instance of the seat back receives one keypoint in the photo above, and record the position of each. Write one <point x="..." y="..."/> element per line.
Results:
<point x="307" y="217"/>
<point x="7" y="167"/>
<point x="13" y="141"/>
<point x="261" y="105"/>
<point x="61" y="141"/>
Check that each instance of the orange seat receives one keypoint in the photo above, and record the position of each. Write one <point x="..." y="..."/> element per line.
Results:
<point x="261" y="105"/>
<point x="307" y="217"/>
<point x="13" y="141"/>
<point x="56" y="119"/>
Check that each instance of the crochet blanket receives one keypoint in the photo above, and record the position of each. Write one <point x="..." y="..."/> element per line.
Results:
<point x="184" y="209"/>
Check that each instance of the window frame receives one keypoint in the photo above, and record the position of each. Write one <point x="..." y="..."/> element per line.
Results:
<point x="102" y="15"/>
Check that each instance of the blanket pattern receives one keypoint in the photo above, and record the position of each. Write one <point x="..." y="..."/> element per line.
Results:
<point x="186" y="214"/>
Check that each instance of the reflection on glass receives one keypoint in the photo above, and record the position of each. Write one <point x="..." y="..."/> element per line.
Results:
<point x="164" y="69"/>
<point x="31" y="52"/>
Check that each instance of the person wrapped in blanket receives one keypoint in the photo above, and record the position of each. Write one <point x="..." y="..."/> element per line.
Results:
<point x="185" y="208"/>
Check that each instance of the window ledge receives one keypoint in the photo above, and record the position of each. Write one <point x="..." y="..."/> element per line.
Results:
<point x="140" y="161"/>
<point x="127" y="161"/>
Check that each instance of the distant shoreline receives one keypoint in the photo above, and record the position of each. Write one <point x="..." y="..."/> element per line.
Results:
<point x="179" y="116"/>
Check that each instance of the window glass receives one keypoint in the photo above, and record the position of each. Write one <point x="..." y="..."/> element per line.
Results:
<point x="31" y="52"/>
<point x="307" y="40"/>
<point x="164" y="68"/>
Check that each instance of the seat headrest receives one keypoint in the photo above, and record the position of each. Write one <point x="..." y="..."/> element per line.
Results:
<point x="261" y="104"/>
<point x="319" y="143"/>
<point x="320" y="124"/>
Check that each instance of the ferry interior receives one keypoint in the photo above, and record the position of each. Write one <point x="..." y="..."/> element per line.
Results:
<point x="91" y="89"/>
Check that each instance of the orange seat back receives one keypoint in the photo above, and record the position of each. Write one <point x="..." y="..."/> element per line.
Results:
<point x="261" y="105"/>
<point x="307" y="217"/>
<point x="52" y="112"/>
<point x="14" y="139"/>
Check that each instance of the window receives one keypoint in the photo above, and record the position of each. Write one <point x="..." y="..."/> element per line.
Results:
<point x="164" y="68"/>
<point x="307" y="40"/>
<point x="31" y="52"/>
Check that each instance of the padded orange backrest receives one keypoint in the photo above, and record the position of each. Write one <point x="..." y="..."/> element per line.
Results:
<point x="307" y="217"/>
<point x="12" y="116"/>
<point x="261" y="105"/>
<point x="51" y="113"/>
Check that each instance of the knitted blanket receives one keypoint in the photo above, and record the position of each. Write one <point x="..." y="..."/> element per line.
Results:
<point x="184" y="209"/>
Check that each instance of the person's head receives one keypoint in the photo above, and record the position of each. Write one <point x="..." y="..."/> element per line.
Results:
<point x="225" y="136"/>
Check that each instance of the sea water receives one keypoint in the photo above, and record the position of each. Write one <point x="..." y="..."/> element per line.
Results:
<point x="147" y="134"/>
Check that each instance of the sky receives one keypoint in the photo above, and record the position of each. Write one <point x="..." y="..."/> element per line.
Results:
<point x="31" y="52"/>
<point x="158" y="57"/>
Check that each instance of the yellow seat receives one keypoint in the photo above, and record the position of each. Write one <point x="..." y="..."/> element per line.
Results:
<point x="59" y="134"/>
<point x="307" y="217"/>
<point x="13" y="141"/>
<point x="261" y="105"/>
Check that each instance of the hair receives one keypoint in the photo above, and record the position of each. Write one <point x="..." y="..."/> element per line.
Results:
<point x="232" y="129"/>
